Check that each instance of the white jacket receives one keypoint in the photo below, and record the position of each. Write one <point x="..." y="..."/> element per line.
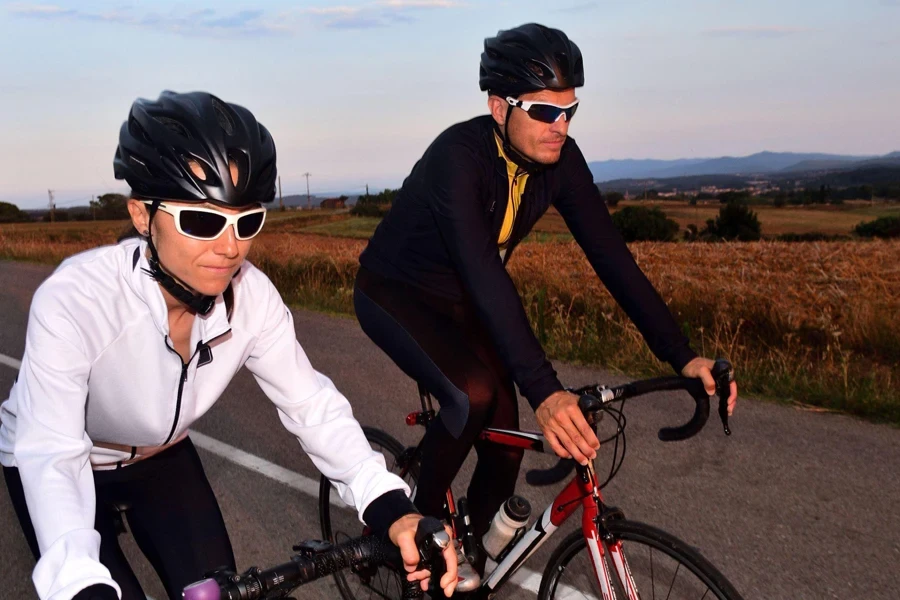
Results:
<point x="98" y="328"/>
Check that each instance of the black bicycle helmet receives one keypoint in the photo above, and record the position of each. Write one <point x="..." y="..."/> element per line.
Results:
<point x="165" y="141"/>
<point x="530" y="58"/>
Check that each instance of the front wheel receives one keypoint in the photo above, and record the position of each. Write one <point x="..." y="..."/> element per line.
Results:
<point x="660" y="566"/>
<point x="340" y="523"/>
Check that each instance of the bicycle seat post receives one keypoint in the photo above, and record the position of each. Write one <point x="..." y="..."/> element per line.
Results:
<point x="425" y="399"/>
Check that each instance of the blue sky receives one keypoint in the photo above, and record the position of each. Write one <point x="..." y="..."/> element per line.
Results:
<point x="354" y="91"/>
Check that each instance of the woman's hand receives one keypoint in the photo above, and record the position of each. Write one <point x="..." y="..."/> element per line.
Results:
<point x="403" y="534"/>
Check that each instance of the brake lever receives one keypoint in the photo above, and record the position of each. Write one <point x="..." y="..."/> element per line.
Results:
<point x="723" y="374"/>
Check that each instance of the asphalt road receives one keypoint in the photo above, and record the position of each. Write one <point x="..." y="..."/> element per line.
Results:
<point x="794" y="504"/>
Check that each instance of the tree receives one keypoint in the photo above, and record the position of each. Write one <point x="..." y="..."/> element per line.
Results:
<point x="613" y="198"/>
<point x="10" y="213"/>
<point x="110" y="207"/>
<point x="726" y="197"/>
<point x="735" y="222"/>
<point x="375" y="205"/>
<point x="639" y="223"/>
<point x="883" y="227"/>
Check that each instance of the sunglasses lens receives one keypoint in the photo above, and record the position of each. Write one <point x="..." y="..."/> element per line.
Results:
<point x="202" y="224"/>
<point x="544" y="113"/>
<point x="249" y="225"/>
<point x="547" y="113"/>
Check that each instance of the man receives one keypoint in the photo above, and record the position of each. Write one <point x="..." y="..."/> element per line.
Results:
<point x="433" y="291"/>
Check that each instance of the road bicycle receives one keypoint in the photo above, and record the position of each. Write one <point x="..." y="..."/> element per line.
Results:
<point x="609" y="557"/>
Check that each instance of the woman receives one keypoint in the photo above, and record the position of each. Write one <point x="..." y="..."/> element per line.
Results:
<point x="128" y="345"/>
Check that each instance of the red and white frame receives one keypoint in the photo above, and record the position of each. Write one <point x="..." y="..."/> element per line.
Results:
<point x="581" y="491"/>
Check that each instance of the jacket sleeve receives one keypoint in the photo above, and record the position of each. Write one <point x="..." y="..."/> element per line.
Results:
<point x="311" y="408"/>
<point x="454" y="194"/>
<point x="52" y="452"/>
<point x="588" y="219"/>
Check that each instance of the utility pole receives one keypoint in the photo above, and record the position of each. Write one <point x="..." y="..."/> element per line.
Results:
<point x="93" y="208"/>
<point x="280" y="199"/>
<point x="52" y="206"/>
<point x="308" y="203"/>
<point x="367" y="190"/>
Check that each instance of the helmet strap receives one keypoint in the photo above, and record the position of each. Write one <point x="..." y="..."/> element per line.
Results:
<point x="193" y="300"/>
<point x="525" y="163"/>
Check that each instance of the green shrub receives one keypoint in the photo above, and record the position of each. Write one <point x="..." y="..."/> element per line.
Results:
<point x="883" y="227"/>
<point x="642" y="224"/>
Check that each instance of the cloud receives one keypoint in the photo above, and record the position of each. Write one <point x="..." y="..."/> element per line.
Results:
<point x="246" y="23"/>
<point x="421" y="3"/>
<point x="586" y="6"/>
<point x="39" y="10"/>
<point x="759" y="32"/>
<point x="380" y="13"/>
<point x="199" y="22"/>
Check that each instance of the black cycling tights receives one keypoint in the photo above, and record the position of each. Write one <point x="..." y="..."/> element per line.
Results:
<point x="171" y="511"/>
<point x="444" y="346"/>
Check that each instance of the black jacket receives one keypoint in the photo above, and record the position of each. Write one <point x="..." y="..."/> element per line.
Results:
<point x="441" y="236"/>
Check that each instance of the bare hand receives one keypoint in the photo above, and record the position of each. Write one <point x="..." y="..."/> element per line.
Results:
<point x="702" y="368"/>
<point x="565" y="427"/>
<point x="403" y="534"/>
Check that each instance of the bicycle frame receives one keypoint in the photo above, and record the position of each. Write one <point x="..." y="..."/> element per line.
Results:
<point x="582" y="490"/>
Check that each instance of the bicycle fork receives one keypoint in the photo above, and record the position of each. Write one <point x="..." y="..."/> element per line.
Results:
<point x="601" y="543"/>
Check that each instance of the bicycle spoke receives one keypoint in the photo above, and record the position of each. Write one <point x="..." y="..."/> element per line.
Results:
<point x="674" y="577"/>
<point x="637" y="558"/>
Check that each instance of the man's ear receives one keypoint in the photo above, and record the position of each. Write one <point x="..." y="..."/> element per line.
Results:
<point x="499" y="108"/>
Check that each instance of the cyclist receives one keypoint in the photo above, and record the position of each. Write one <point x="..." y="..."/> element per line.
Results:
<point x="128" y="345"/>
<point x="433" y="292"/>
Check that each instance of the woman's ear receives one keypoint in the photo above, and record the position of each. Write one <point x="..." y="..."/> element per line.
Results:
<point x="140" y="218"/>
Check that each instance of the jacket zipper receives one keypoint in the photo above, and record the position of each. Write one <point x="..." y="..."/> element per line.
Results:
<point x="183" y="379"/>
<point x="514" y="240"/>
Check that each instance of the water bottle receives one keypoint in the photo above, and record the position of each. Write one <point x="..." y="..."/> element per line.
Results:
<point x="511" y="517"/>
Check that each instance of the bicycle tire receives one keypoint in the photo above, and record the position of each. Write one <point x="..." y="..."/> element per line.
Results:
<point x="633" y="534"/>
<point x="350" y="584"/>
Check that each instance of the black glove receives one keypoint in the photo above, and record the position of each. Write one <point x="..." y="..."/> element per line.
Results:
<point x="97" y="591"/>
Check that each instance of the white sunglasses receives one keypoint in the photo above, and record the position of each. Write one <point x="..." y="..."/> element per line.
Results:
<point x="207" y="224"/>
<point x="545" y="111"/>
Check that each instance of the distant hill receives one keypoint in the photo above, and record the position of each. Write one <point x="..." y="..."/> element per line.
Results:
<point x="881" y="173"/>
<point x="293" y="200"/>
<point x="819" y="165"/>
<point x="636" y="186"/>
<point x="759" y="163"/>
<point x="866" y="174"/>
<point x="609" y="170"/>
<point x="299" y="200"/>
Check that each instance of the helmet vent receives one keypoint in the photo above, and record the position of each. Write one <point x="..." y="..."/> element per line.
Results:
<point x="223" y="116"/>
<point x="174" y="126"/>
<point x="536" y="68"/>
<point x="238" y="167"/>
<point x="563" y="61"/>
<point x="135" y="129"/>
<point x="196" y="169"/>
<point x="548" y="33"/>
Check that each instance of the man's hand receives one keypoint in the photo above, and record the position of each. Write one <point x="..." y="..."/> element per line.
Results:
<point x="403" y="534"/>
<point x="565" y="427"/>
<point x="701" y="368"/>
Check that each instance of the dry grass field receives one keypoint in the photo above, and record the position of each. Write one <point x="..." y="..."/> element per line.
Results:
<point x="817" y="324"/>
